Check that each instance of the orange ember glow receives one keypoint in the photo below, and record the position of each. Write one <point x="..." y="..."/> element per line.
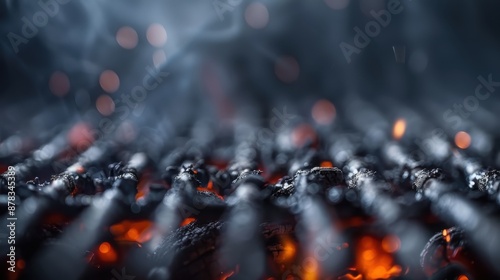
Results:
<point x="351" y="277"/>
<point x="104" y="247"/>
<point x="210" y="188"/>
<point x="106" y="253"/>
<point x="133" y="234"/>
<point x="289" y="250"/>
<point x="136" y="231"/>
<point x="447" y="238"/>
<point x="21" y="264"/>
<point x="399" y="128"/>
<point x="311" y="269"/>
<point x="227" y="275"/>
<point x="187" y="221"/>
<point x="323" y="112"/>
<point x="462" y="277"/>
<point x="143" y="186"/>
<point x="391" y="244"/>
<point x="326" y="164"/>
<point x="80" y="169"/>
<point x="275" y="178"/>
<point x="462" y="140"/>
<point x="374" y="260"/>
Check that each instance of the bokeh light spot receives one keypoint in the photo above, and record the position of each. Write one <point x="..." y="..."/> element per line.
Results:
<point x="399" y="128"/>
<point x="257" y="15"/>
<point x="156" y="35"/>
<point x="462" y="140"/>
<point x="80" y="135"/>
<point x="109" y="81"/>
<point x="323" y="112"/>
<point x="104" y="247"/>
<point x="105" y="105"/>
<point x="391" y="244"/>
<point x="127" y="37"/>
<point x="59" y="84"/>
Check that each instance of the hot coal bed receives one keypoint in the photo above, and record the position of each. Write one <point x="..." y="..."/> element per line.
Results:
<point x="259" y="140"/>
<point x="315" y="207"/>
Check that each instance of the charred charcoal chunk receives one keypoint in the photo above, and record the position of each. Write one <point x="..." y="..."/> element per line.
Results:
<point x="421" y="177"/>
<point x="485" y="180"/>
<point x="449" y="254"/>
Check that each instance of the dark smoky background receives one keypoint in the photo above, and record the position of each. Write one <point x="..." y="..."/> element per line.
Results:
<point x="218" y="62"/>
<point x="233" y="139"/>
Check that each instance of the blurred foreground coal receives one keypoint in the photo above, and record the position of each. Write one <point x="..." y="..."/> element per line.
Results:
<point x="240" y="207"/>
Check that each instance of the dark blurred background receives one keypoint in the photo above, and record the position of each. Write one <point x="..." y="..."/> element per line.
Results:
<point x="69" y="61"/>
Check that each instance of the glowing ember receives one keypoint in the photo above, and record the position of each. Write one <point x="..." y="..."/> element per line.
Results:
<point x="462" y="140"/>
<point x="368" y="255"/>
<point x="351" y="277"/>
<point x="462" y="277"/>
<point x="289" y="250"/>
<point x="211" y="189"/>
<point x="105" y="105"/>
<point x="156" y="35"/>
<point x="133" y="234"/>
<point x="287" y="69"/>
<point x="104" y="247"/>
<point x="59" y="84"/>
<point x="323" y="112"/>
<point x="391" y="244"/>
<point x="187" y="221"/>
<point x="399" y="129"/>
<point x="257" y="15"/>
<point x="127" y="37"/>
<point x="21" y="264"/>
<point x="106" y="253"/>
<point x="137" y="231"/>
<point x="311" y="269"/>
<point x="373" y="261"/>
<point x="326" y="164"/>
<point x="227" y="275"/>
<point x="143" y="186"/>
<point x="109" y="81"/>
<point x="447" y="238"/>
